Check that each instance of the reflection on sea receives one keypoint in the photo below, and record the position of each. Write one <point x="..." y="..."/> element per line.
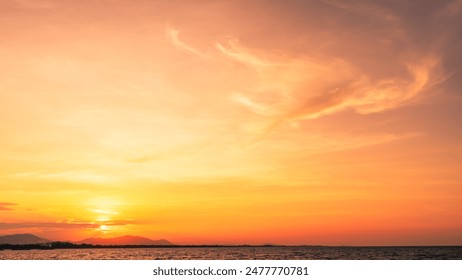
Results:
<point x="241" y="253"/>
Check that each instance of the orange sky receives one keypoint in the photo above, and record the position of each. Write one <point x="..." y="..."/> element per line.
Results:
<point x="204" y="122"/>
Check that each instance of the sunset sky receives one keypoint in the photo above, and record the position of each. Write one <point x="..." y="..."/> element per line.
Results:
<point x="230" y="122"/>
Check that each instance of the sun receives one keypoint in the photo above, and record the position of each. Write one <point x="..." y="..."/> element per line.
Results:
<point x="103" y="227"/>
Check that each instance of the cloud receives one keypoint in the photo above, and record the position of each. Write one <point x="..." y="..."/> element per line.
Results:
<point x="173" y="35"/>
<point x="288" y="88"/>
<point x="65" y="224"/>
<point x="452" y="8"/>
<point x="47" y="225"/>
<point x="73" y="176"/>
<point x="366" y="96"/>
<point x="37" y="4"/>
<point x="367" y="60"/>
<point x="367" y="9"/>
<point x="234" y="51"/>
<point x="310" y="87"/>
<point x="6" y="206"/>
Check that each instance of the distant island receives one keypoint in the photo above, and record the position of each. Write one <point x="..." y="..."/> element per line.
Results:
<point x="125" y="240"/>
<point x="18" y="239"/>
<point x="30" y="241"/>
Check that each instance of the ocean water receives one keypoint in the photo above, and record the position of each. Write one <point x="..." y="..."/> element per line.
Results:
<point x="241" y="253"/>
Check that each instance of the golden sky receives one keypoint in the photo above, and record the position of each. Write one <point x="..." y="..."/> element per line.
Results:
<point x="202" y="122"/>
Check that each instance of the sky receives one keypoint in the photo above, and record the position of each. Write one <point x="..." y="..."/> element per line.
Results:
<point x="232" y="122"/>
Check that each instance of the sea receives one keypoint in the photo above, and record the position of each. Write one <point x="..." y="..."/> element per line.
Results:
<point x="241" y="253"/>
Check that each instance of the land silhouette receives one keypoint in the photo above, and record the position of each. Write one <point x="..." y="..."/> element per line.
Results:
<point x="125" y="240"/>
<point x="30" y="241"/>
<point x="18" y="239"/>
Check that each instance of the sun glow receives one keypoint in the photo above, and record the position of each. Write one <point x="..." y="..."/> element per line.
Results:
<point x="104" y="228"/>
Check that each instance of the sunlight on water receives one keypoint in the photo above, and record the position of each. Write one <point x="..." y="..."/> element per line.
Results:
<point x="246" y="253"/>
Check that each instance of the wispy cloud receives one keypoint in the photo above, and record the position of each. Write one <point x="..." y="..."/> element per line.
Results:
<point x="73" y="176"/>
<point x="283" y="87"/>
<point x="310" y="87"/>
<point x="47" y="225"/>
<point x="235" y="51"/>
<point x="365" y="8"/>
<point x="289" y="88"/>
<point x="452" y="8"/>
<point x="7" y="206"/>
<point x="65" y="224"/>
<point x="38" y="4"/>
<point x="173" y="35"/>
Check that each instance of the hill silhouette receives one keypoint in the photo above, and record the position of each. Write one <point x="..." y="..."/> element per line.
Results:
<point x="22" y="239"/>
<point x="124" y="240"/>
<point x="27" y="239"/>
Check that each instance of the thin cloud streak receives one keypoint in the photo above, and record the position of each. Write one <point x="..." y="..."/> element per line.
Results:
<point x="368" y="9"/>
<point x="309" y="87"/>
<point x="173" y="35"/>
<point x="75" y="176"/>
<point x="453" y="8"/>
<point x="7" y="206"/>
<point x="64" y="225"/>
<point x="234" y="51"/>
<point x="47" y="225"/>
<point x="322" y="95"/>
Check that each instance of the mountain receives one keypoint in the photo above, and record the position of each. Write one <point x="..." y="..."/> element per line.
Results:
<point x="22" y="239"/>
<point x="124" y="240"/>
<point x="16" y="239"/>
